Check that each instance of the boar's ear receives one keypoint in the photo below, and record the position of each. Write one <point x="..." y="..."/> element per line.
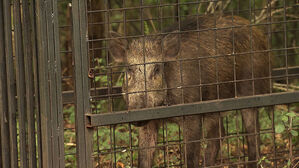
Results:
<point x="117" y="47"/>
<point x="171" y="45"/>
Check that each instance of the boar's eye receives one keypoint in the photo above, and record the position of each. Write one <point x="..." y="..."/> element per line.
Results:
<point x="130" y="69"/>
<point x="156" y="69"/>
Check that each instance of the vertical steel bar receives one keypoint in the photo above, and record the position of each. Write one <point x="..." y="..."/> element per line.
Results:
<point x="257" y="134"/>
<point x="131" y="144"/>
<point x="167" y="145"/>
<point x="33" y="17"/>
<point x="20" y="79"/>
<point x="59" y="130"/>
<point x="238" y="135"/>
<point x="256" y="130"/>
<point x="124" y="18"/>
<point x="220" y="122"/>
<point x="4" y="125"/>
<point x="243" y="142"/>
<point x="92" y="64"/>
<point x="52" y="115"/>
<point x="109" y="69"/>
<point x="185" y="142"/>
<point x="42" y="39"/>
<point x="180" y="61"/>
<point x="290" y="157"/>
<point x="180" y="147"/>
<point x="269" y="31"/>
<point x="227" y="141"/>
<point x="50" y="84"/>
<point x="11" y="88"/>
<point x="83" y="135"/>
<point x="111" y="147"/>
<point x="28" y="53"/>
<point x="55" y="85"/>
<point x="273" y="134"/>
<point x="141" y="9"/>
<point x="98" y="147"/>
<point x="216" y="51"/>
<point x="285" y="43"/>
<point x="233" y="52"/>
<point x="114" y="146"/>
<point x="250" y="40"/>
<point x="204" y="141"/>
<point x="198" y="46"/>
<point x="112" y="128"/>
<point x="164" y="152"/>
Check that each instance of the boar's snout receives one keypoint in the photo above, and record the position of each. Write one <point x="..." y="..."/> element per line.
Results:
<point x="148" y="100"/>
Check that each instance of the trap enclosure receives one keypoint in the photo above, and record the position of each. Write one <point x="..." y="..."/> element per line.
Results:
<point x="149" y="83"/>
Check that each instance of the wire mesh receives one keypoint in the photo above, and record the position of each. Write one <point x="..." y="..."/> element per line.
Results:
<point x="142" y="32"/>
<point x="171" y="83"/>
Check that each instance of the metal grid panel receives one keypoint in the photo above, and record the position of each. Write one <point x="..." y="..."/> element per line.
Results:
<point x="30" y="82"/>
<point x="117" y="123"/>
<point x="66" y="54"/>
<point x="142" y="22"/>
<point x="18" y="85"/>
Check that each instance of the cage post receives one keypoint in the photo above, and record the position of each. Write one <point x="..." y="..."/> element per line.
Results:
<point x="81" y="59"/>
<point x="32" y="9"/>
<point x="28" y="65"/>
<point x="49" y="84"/>
<point x="20" y="81"/>
<point x="10" y="83"/>
<point x="4" y="127"/>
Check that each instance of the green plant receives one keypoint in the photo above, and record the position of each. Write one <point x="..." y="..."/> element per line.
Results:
<point x="263" y="160"/>
<point x="286" y="124"/>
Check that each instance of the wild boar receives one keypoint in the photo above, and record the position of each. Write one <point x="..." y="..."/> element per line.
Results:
<point x="222" y="58"/>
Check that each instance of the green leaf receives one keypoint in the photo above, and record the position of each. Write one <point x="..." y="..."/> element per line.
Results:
<point x="289" y="163"/>
<point x="291" y="114"/>
<point x="284" y="118"/>
<point x="279" y="128"/>
<point x="267" y="161"/>
<point x="146" y="28"/>
<point x="294" y="133"/>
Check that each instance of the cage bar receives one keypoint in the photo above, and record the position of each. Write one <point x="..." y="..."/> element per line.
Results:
<point x="191" y="109"/>
<point x="83" y="134"/>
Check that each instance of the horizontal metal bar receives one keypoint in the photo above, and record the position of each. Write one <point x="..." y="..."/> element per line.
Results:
<point x="68" y="96"/>
<point x="200" y="30"/>
<point x="94" y="120"/>
<point x="175" y="4"/>
<point x="282" y="71"/>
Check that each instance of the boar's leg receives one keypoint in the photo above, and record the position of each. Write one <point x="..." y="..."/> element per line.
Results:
<point x="192" y="132"/>
<point x="147" y="142"/>
<point x="251" y="123"/>
<point x="211" y="126"/>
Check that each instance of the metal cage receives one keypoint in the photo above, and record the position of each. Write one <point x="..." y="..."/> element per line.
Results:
<point x="149" y="83"/>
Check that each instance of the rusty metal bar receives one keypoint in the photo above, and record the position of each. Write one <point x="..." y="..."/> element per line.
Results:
<point x="54" y="71"/>
<point x="28" y="65"/>
<point x="191" y="109"/>
<point x="84" y="136"/>
<point x="35" y="67"/>
<point x="68" y="96"/>
<point x="20" y="80"/>
<point x="4" y="125"/>
<point x="11" y="84"/>
<point x="43" y="84"/>
<point x="49" y="84"/>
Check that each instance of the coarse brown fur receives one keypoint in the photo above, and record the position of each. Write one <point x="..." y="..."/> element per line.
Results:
<point x="181" y="62"/>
